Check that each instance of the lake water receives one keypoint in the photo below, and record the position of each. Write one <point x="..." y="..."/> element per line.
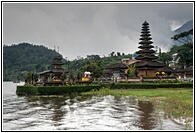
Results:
<point x="92" y="113"/>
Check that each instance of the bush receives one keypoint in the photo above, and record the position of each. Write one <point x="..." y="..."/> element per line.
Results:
<point x="60" y="90"/>
<point x="27" y="90"/>
<point x="167" y="81"/>
<point x="150" y="85"/>
<point x="54" y="90"/>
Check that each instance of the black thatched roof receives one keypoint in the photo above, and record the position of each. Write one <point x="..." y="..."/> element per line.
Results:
<point x="145" y="42"/>
<point x="110" y="71"/>
<point x="145" y="34"/>
<point x="117" y="66"/>
<point x="145" y="23"/>
<point x="189" y="69"/>
<point x="57" y="70"/>
<point x="107" y="71"/>
<point x="58" y="57"/>
<point x="165" y="69"/>
<point x="146" y="46"/>
<point x="146" y="54"/>
<point x="145" y="38"/>
<point x="140" y="57"/>
<point x="145" y="51"/>
<point x="152" y="64"/>
<point x="57" y="62"/>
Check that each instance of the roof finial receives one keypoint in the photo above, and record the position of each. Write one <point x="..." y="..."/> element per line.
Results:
<point x="58" y="49"/>
<point x="54" y="48"/>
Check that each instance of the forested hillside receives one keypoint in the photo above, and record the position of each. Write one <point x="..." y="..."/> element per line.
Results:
<point x="24" y="57"/>
<point x="18" y="59"/>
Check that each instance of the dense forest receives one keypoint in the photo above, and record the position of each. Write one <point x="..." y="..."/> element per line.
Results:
<point x="24" y="57"/>
<point x="20" y="59"/>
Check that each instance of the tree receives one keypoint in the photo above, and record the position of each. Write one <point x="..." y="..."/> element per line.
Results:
<point x="165" y="58"/>
<point x="93" y="57"/>
<point x="63" y="77"/>
<point x="185" y="55"/>
<point x="28" y="77"/>
<point x="118" y="54"/>
<point x="25" y="57"/>
<point x="112" y="54"/>
<point x="95" y="68"/>
<point x="185" y="51"/>
<point x="184" y="37"/>
<point x="131" y="71"/>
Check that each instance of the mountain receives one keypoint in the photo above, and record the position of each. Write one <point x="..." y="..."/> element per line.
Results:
<point x="18" y="59"/>
<point x="185" y="27"/>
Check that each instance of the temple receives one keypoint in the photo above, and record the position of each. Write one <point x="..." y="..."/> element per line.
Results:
<point x="147" y="64"/>
<point x="54" y="76"/>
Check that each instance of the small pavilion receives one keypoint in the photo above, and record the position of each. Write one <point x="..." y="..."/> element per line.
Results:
<point x="117" y="70"/>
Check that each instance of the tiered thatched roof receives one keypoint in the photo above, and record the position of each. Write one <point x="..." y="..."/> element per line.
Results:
<point x="146" y="54"/>
<point x="57" y="60"/>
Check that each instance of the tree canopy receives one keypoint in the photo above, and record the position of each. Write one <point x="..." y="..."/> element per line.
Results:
<point x="185" y="51"/>
<point x="24" y="57"/>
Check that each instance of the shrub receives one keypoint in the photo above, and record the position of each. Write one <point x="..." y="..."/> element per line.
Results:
<point x="150" y="85"/>
<point x="54" y="90"/>
<point x="60" y="90"/>
<point x="27" y="90"/>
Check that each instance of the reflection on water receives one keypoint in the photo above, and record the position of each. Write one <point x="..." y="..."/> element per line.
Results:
<point x="146" y="118"/>
<point x="81" y="113"/>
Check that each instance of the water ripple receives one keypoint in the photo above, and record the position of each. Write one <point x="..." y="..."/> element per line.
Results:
<point x="94" y="113"/>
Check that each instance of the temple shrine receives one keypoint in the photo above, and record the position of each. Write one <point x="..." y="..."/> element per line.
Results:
<point x="147" y="64"/>
<point x="54" y="76"/>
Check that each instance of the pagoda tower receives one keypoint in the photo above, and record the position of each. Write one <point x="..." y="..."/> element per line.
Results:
<point x="147" y="65"/>
<point x="57" y="70"/>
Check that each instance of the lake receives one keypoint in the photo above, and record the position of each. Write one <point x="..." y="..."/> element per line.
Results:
<point x="80" y="113"/>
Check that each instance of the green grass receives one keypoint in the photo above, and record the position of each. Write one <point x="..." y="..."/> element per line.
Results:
<point x="176" y="102"/>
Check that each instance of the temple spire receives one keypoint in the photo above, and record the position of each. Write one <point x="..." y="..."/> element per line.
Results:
<point x="147" y="65"/>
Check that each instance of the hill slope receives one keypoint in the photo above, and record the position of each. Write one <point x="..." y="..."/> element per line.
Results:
<point x="17" y="59"/>
<point x="185" y="27"/>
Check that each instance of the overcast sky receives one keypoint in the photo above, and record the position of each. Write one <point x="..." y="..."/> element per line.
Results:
<point x="81" y="29"/>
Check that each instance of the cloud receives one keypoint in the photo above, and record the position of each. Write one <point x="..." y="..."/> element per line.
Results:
<point x="81" y="29"/>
